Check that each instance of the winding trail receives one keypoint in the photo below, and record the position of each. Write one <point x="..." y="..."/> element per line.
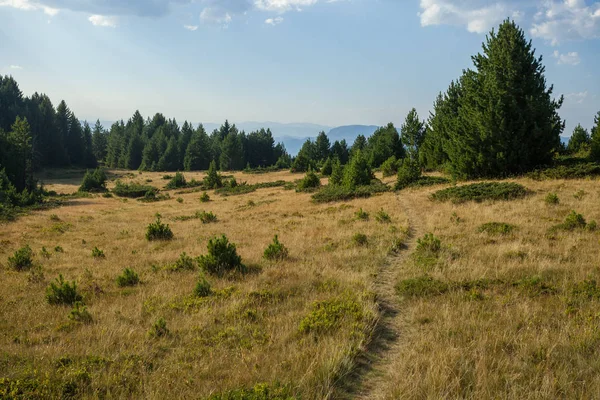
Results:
<point x="368" y="378"/>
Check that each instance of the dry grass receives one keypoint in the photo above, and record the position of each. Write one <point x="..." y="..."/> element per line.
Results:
<point x="247" y="332"/>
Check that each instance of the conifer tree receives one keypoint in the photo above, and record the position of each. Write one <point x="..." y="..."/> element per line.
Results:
<point x="595" y="139"/>
<point x="413" y="134"/>
<point x="579" y="140"/>
<point x="197" y="155"/>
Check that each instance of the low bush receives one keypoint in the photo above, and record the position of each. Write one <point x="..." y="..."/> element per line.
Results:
<point x="134" y="190"/>
<point x="424" y="286"/>
<point x="328" y="315"/>
<point x="180" y="200"/>
<point x="383" y="217"/>
<point x="276" y="251"/>
<point x="409" y="172"/>
<point x="97" y="253"/>
<point x="159" y="329"/>
<point x="94" y="181"/>
<point x="80" y="314"/>
<point x="496" y="228"/>
<point x="202" y="288"/>
<point x="360" y="239"/>
<point x="480" y="192"/>
<point x="178" y="181"/>
<point x="577" y="170"/>
<point x="362" y="215"/>
<point x="183" y="263"/>
<point x="552" y="198"/>
<point x="572" y="222"/>
<point x="205" y="217"/>
<point x="128" y="278"/>
<point x="245" y="188"/>
<point x="205" y="198"/>
<point x="158" y="231"/>
<point x="429" y="245"/>
<point x="61" y="292"/>
<point x="310" y="182"/>
<point x="222" y="257"/>
<point x="22" y="259"/>
<point x="332" y="193"/>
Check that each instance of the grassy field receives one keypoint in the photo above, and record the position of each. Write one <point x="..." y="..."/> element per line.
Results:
<point x="478" y="310"/>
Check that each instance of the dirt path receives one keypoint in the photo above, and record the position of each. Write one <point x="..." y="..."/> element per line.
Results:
<point x="369" y="376"/>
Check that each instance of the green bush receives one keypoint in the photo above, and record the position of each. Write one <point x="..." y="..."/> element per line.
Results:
<point x="134" y="190"/>
<point x="207" y="217"/>
<point x="128" y="278"/>
<point x="202" y="288"/>
<point x="61" y="292"/>
<point x="222" y="257"/>
<point x="205" y="198"/>
<point x="337" y="172"/>
<point x="331" y="193"/>
<point x="178" y="181"/>
<point x="183" y="263"/>
<point x="552" y="198"/>
<point x="328" y="315"/>
<point x="276" y="251"/>
<point x="362" y="215"/>
<point x="358" y="172"/>
<point x="213" y="179"/>
<point x="97" y="253"/>
<point x="79" y="313"/>
<point x="360" y="239"/>
<point x="429" y="245"/>
<point x="159" y="329"/>
<point x="424" y="286"/>
<point x="22" y="259"/>
<point x="496" y="228"/>
<point x="572" y="222"/>
<point x="578" y="170"/>
<point x="327" y="167"/>
<point x="180" y="200"/>
<point x="409" y="172"/>
<point x="310" y="182"/>
<point x="383" y="217"/>
<point x="158" y="231"/>
<point x="93" y="181"/>
<point x="481" y="191"/>
<point x="390" y="167"/>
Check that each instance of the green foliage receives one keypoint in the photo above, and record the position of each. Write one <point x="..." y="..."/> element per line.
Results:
<point x="579" y="141"/>
<point x="133" y="190"/>
<point x="159" y="329"/>
<point x="205" y="217"/>
<point x="358" y="172"/>
<point x="413" y="134"/>
<point x="213" y="179"/>
<point x="205" y="198"/>
<point x="80" y="314"/>
<point x="222" y="257"/>
<point x="261" y="391"/>
<point x="94" y="181"/>
<point x="534" y="286"/>
<point x="552" y="198"/>
<point x="327" y="167"/>
<point x="327" y="316"/>
<point x="423" y="286"/>
<point x="158" y="231"/>
<point x="360" y="239"/>
<point x="429" y="245"/>
<point x="390" y="167"/>
<point x="496" y="228"/>
<point x="572" y="222"/>
<point x="128" y="278"/>
<point x="178" y="181"/>
<point x="244" y="188"/>
<point x="587" y="289"/>
<point x="276" y="251"/>
<point x="337" y="173"/>
<point x="362" y="215"/>
<point x="331" y="193"/>
<point x="382" y="144"/>
<point x="202" y="288"/>
<point x="481" y="191"/>
<point x="180" y="200"/>
<point x="61" y="292"/>
<point x="22" y="259"/>
<point x="310" y="182"/>
<point x="383" y="217"/>
<point x="183" y="263"/>
<point x="97" y="253"/>
<point x="409" y="173"/>
<point x="579" y="170"/>
<point x="595" y="139"/>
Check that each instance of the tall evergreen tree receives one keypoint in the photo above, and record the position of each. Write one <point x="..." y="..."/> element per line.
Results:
<point x="11" y="102"/>
<point x="16" y="156"/>
<point x="322" y="147"/>
<point x="74" y="141"/>
<point x="580" y="139"/>
<point x="169" y="161"/>
<point x="595" y="139"/>
<point x="89" y="160"/>
<point x="340" y="150"/>
<point x="99" y="142"/>
<point x="383" y="144"/>
<point x="198" y="154"/>
<point x="413" y="134"/>
<point x="63" y="115"/>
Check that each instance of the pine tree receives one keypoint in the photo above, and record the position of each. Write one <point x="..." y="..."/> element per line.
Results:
<point x="74" y="141"/>
<point x="99" y="142"/>
<point x="412" y="134"/>
<point x="169" y="161"/>
<point x="580" y="140"/>
<point x="358" y="171"/>
<point x="89" y="160"/>
<point x="337" y="173"/>
<point x="197" y="155"/>
<point x="360" y="143"/>
<point x="134" y="152"/>
<point x="16" y="156"/>
<point x="322" y="147"/>
<point x="383" y="144"/>
<point x="595" y="139"/>
<point x="340" y="150"/>
<point x="62" y="128"/>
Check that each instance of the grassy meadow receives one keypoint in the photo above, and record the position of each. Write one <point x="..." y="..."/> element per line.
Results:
<point x="499" y="302"/>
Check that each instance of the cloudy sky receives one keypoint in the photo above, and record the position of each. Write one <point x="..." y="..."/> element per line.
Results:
<point x="331" y="62"/>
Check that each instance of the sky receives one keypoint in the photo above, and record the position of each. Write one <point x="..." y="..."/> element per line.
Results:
<point x="330" y="62"/>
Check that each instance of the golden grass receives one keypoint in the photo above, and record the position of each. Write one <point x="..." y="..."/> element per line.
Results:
<point x="246" y="333"/>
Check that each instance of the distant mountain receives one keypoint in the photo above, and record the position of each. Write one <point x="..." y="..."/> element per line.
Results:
<point x="350" y="132"/>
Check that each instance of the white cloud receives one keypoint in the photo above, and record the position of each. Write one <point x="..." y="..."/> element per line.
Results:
<point x="15" y="67"/>
<point x="478" y="16"/>
<point x="577" y="98"/>
<point x="28" y="5"/>
<point x="282" y="6"/>
<point x="274" y="21"/>
<point x="191" y="27"/>
<point x="558" y="21"/>
<point x="216" y="15"/>
<point x="571" y="58"/>
<point x="103" y="20"/>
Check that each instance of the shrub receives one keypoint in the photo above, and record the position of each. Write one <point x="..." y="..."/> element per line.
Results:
<point x="59" y="249"/>
<point x="552" y="198"/>
<point x="481" y="191"/>
<point x="178" y="181"/>
<point x="94" y="181"/>
<point x="331" y="193"/>
<point x="337" y="172"/>
<point x="159" y="329"/>
<point x="496" y="228"/>
<point x="183" y="263"/>
<point x="222" y="257"/>
<point x="362" y="215"/>
<point x="128" y="278"/>
<point x="328" y="315"/>
<point x="592" y="226"/>
<point x="358" y="172"/>
<point x="383" y="217"/>
<point x="327" y="167"/>
<point x="572" y="221"/>
<point x="22" y="259"/>
<point x="202" y="288"/>
<point x="424" y="286"/>
<point x="207" y="217"/>
<point x="61" y="292"/>
<point x="180" y="200"/>
<point x="429" y="245"/>
<point x="213" y="179"/>
<point x="580" y="194"/>
<point x="576" y="171"/>
<point x="79" y="313"/>
<point x="276" y="251"/>
<point x="205" y="198"/>
<point x="310" y="182"/>
<point x="390" y="167"/>
<point x="134" y="190"/>
<point x="97" y="253"/>
<point x="409" y="172"/>
<point x="232" y="183"/>
<point x="360" y="239"/>
<point x="158" y="231"/>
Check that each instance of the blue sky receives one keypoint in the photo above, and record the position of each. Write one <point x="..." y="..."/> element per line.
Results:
<point x="331" y="62"/>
